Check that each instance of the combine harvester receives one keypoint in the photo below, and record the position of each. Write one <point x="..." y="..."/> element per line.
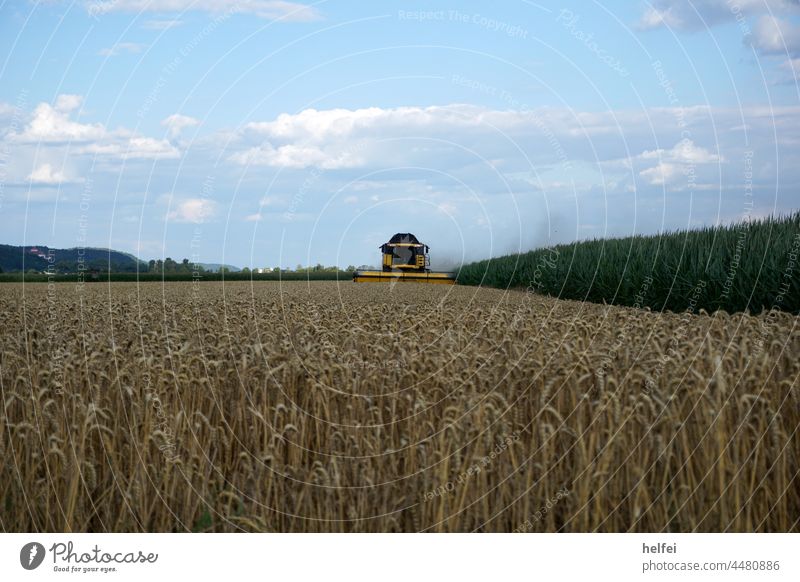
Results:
<point x="405" y="260"/>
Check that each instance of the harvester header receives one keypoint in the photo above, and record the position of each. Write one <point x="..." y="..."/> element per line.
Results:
<point x="404" y="259"/>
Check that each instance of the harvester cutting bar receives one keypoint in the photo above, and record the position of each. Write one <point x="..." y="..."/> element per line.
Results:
<point x="403" y="277"/>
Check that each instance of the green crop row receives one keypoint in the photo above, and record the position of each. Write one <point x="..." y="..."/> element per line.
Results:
<point x="751" y="265"/>
<point x="146" y="277"/>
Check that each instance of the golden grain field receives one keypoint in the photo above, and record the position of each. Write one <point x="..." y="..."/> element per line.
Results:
<point x="342" y="407"/>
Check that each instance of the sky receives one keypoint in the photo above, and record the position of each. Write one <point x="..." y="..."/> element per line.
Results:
<point x="267" y="133"/>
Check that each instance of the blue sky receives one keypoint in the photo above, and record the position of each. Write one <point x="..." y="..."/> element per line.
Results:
<point x="264" y="133"/>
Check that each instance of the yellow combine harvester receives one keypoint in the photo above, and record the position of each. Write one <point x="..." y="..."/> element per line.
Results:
<point x="405" y="260"/>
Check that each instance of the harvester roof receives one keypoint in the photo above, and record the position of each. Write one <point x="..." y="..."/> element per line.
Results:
<point x="404" y="237"/>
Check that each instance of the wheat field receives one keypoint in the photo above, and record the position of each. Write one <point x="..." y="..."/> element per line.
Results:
<point x="326" y="406"/>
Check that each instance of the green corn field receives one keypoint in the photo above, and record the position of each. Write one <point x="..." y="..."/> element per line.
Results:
<point x="748" y="266"/>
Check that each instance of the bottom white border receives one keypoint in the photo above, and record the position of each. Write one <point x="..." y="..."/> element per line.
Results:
<point x="402" y="557"/>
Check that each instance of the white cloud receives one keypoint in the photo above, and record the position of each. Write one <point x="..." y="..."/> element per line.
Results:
<point x="351" y="200"/>
<point x="618" y="150"/>
<point x="52" y="124"/>
<point x="317" y="126"/>
<point x="296" y="157"/>
<point x="253" y="217"/>
<point x="355" y="132"/>
<point x="269" y="9"/>
<point x="700" y="14"/>
<point x="344" y="138"/>
<point x="176" y="123"/>
<point x="134" y="148"/>
<point x="6" y="109"/>
<point x="269" y="201"/>
<point x="675" y="163"/>
<point x="196" y="210"/>
<point x="661" y="174"/>
<point x="66" y="103"/>
<point x="775" y="36"/>
<point x="682" y="152"/>
<point x="46" y="175"/>
<point x="121" y="47"/>
<point x="655" y="17"/>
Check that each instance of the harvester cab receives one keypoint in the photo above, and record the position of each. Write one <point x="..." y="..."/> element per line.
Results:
<point x="404" y="259"/>
<point x="405" y="252"/>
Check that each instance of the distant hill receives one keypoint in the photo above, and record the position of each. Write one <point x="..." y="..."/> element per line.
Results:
<point x="40" y="257"/>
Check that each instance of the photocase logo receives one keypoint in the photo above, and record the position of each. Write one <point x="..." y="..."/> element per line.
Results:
<point x="31" y="555"/>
